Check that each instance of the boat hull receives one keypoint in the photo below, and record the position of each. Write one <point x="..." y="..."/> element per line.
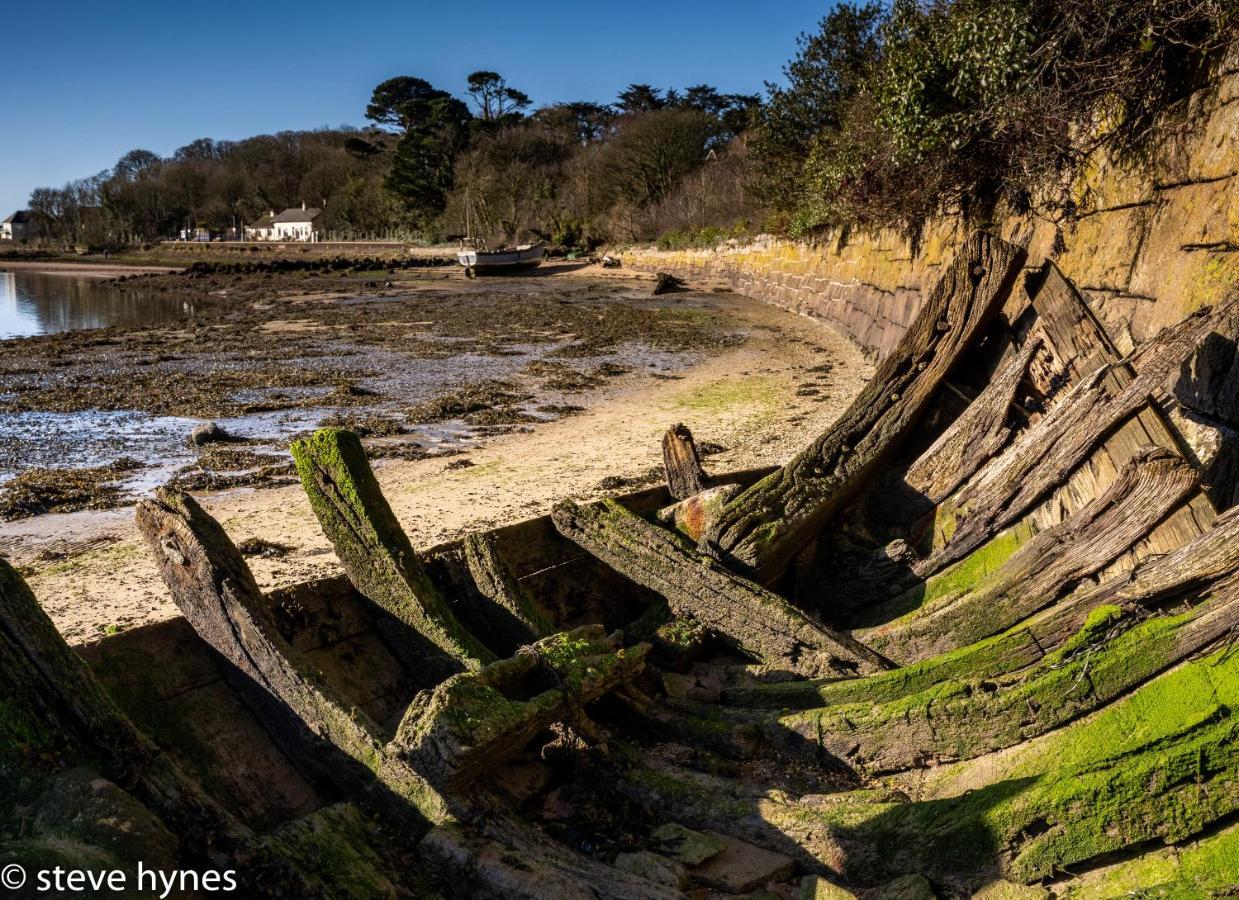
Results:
<point x="497" y="262"/>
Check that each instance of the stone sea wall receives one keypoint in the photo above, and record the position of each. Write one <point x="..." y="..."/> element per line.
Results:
<point x="1150" y="241"/>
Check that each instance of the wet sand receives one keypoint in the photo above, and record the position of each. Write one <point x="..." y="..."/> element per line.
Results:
<point x="760" y="395"/>
<point x="83" y="269"/>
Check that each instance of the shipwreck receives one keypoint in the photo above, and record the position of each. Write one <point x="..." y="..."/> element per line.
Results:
<point x="975" y="636"/>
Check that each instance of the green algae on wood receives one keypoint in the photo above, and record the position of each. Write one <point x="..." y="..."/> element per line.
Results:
<point x="215" y="590"/>
<point x="475" y="720"/>
<point x="957" y="719"/>
<point x="375" y="551"/>
<point x="985" y="593"/>
<point x="53" y="705"/>
<point x="743" y="613"/>
<point x="1159" y="764"/>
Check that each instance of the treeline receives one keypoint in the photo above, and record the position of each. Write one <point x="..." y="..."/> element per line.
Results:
<point x="429" y="166"/>
<point x="888" y="114"/>
<point x="222" y="185"/>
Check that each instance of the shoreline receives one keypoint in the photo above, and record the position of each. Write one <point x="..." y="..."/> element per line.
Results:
<point x="92" y="269"/>
<point x="761" y="401"/>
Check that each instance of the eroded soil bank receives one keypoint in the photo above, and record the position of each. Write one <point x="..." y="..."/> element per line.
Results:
<point x="484" y="403"/>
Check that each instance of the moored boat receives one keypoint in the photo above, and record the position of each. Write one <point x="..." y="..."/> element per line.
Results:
<point x="492" y="262"/>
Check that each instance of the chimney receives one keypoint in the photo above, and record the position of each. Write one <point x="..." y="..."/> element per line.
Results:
<point x="303" y="206"/>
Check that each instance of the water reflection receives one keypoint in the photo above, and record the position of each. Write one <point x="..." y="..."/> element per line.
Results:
<point x="41" y="303"/>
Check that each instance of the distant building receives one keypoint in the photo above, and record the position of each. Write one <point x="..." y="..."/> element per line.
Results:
<point x="16" y="227"/>
<point x="261" y="229"/>
<point x="296" y="225"/>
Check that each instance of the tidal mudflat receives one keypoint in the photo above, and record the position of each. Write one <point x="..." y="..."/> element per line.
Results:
<point x="480" y="402"/>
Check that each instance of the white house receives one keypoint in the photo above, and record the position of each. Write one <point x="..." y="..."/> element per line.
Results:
<point x="296" y="225"/>
<point x="262" y="229"/>
<point x="16" y="227"/>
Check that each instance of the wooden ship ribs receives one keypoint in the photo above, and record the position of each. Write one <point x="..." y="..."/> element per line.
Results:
<point x="976" y="635"/>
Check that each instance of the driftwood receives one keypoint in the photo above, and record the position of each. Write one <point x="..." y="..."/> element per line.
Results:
<point x="755" y="620"/>
<point x="685" y="477"/>
<point x="374" y="549"/>
<point x="763" y="527"/>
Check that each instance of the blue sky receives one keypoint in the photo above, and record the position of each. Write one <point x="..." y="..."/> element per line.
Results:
<point x="86" y="82"/>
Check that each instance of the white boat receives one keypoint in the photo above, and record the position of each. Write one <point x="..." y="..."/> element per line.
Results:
<point x="492" y="262"/>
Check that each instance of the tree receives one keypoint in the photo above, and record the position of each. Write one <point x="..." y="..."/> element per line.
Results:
<point x="495" y="99"/>
<point x="421" y="169"/>
<point x="136" y="164"/>
<point x="587" y="122"/>
<point x="435" y="128"/>
<point x="829" y="69"/>
<point x="400" y="103"/>
<point x="202" y="149"/>
<point x="654" y="151"/>
<point x="640" y="98"/>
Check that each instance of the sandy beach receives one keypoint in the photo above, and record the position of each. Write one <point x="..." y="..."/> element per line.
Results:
<point x="758" y="401"/>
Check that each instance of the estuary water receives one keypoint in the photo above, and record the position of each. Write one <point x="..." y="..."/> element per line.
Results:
<point x="34" y="303"/>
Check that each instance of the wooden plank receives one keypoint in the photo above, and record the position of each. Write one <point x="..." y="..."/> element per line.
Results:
<point x="762" y="528"/>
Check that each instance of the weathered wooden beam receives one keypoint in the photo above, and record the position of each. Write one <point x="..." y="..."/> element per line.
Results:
<point x="1196" y="569"/>
<point x="52" y="703"/>
<point x="476" y="720"/>
<point x="1025" y="826"/>
<point x="752" y="618"/>
<point x="682" y="465"/>
<point x="1117" y="649"/>
<point x="979" y="434"/>
<point x="215" y="590"/>
<point x="1148" y="488"/>
<point x="763" y="527"/>
<point x="502" y="856"/>
<point x="375" y="551"/>
<point x="495" y="581"/>
<point x="1045" y="456"/>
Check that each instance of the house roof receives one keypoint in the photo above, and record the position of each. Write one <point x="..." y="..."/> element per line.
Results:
<point x="297" y="215"/>
<point x="21" y="217"/>
<point x="264" y="222"/>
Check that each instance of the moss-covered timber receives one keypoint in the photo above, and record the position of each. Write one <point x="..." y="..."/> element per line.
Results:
<point x="502" y="856"/>
<point x="1148" y="488"/>
<point x="52" y="708"/>
<point x="373" y="548"/>
<point x="475" y="720"/>
<point x="1161" y="764"/>
<point x="216" y="592"/>
<point x="1197" y="569"/>
<point x="762" y="528"/>
<point x="757" y="621"/>
<point x="964" y="718"/>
